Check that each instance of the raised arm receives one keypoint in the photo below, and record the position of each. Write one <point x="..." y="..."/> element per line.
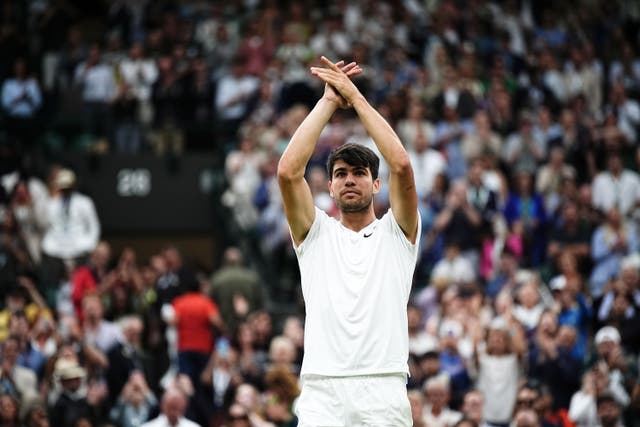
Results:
<point x="402" y="189"/>
<point x="296" y="194"/>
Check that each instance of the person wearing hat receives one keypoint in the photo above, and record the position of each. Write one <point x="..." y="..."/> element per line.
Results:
<point x="71" y="405"/>
<point x="73" y="228"/>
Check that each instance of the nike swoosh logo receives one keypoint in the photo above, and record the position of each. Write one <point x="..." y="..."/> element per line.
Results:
<point x="368" y="235"/>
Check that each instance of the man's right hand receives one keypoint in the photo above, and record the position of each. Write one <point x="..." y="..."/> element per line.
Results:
<point x="331" y="94"/>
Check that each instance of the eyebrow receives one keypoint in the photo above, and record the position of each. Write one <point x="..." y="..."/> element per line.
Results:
<point x="353" y="168"/>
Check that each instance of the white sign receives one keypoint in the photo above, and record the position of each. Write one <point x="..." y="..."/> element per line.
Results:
<point x="134" y="182"/>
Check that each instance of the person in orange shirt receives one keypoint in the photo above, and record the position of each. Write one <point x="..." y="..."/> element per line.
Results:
<point x="195" y="317"/>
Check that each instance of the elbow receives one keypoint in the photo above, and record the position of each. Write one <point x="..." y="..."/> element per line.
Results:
<point x="287" y="173"/>
<point x="402" y="166"/>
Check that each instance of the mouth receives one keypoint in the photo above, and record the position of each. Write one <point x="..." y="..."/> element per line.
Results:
<point x="350" y="193"/>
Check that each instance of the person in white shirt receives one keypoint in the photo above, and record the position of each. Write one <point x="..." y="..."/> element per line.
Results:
<point x="616" y="187"/>
<point x="74" y="229"/>
<point x="234" y="92"/>
<point x="140" y="73"/>
<point x="97" y="83"/>
<point x="172" y="409"/>
<point x="357" y="270"/>
<point x="437" y="412"/>
<point x="21" y="101"/>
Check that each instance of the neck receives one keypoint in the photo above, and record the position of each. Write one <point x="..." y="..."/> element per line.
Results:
<point x="356" y="221"/>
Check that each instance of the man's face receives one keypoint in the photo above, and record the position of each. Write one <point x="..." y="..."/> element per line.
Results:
<point x="173" y="408"/>
<point x="472" y="406"/>
<point x="352" y="187"/>
<point x="437" y="396"/>
<point x="609" y="412"/>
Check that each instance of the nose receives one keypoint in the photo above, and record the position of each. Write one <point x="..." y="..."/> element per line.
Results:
<point x="350" y="180"/>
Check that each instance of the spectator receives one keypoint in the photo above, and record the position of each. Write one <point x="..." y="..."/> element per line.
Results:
<point x="15" y="380"/>
<point x="234" y="93"/>
<point x="570" y="235"/>
<point x="526" y="208"/>
<point x="139" y="73"/>
<point x="127" y="360"/>
<point x="552" y="361"/>
<point x="281" y="391"/>
<point x="99" y="335"/>
<point x="415" y="127"/>
<point x="96" y="81"/>
<point x="529" y="305"/>
<point x="172" y="410"/>
<point x="168" y="91"/>
<point x="609" y="412"/>
<point x="29" y="207"/>
<point x="596" y="384"/>
<point x="610" y="243"/>
<point x="616" y="187"/>
<point x="23" y="297"/>
<point x="627" y="111"/>
<point x="28" y="356"/>
<point x="522" y="151"/>
<point x="127" y="131"/>
<point x="72" y="405"/>
<point x="498" y="371"/>
<point x="195" y="315"/>
<point x="93" y="277"/>
<point x="9" y="411"/>
<point x="74" y="228"/>
<point x="472" y="407"/>
<point x="135" y="403"/>
<point x="482" y="139"/>
<point x="549" y="178"/>
<point x="21" y="102"/>
<point x="416" y="400"/>
<point x="427" y="163"/>
<point x="436" y="411"/>
<point x="236" y="288"/>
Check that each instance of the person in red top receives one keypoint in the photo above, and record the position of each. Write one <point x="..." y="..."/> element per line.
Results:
<point x="195" y="317"/>
<point x="90" y="277"/>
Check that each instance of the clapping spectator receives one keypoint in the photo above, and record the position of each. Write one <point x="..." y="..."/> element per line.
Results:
<point x="610" y="243"/>
<point x="21" y="102"/>
<point x="616" y="187"/>
<point x="498" y="362"/>
<point x="92" y="277"/>
<point x="526" y="207"/>
<point x="97" y="83"/>
<point x="135" y="403"/>
<point x="29" y="207"/>
<point x="15" y="380"/>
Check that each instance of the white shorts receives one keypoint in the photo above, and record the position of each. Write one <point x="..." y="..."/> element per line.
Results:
<point x="369" y="400"/>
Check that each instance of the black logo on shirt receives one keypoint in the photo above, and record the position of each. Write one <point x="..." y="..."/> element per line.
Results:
<point x="368" y="235"/>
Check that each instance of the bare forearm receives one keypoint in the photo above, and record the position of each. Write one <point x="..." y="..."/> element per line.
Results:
<point x="297" y="154"/>
<point x="383" y="135"/>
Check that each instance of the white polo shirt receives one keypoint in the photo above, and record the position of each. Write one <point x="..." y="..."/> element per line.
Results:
<point x="356" y="287"/>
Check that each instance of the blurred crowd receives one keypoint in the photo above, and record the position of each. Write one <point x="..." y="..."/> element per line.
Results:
<point x="521" y="118"/>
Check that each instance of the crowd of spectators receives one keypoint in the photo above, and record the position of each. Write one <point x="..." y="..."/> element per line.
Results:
<point x="521" y="118"/>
